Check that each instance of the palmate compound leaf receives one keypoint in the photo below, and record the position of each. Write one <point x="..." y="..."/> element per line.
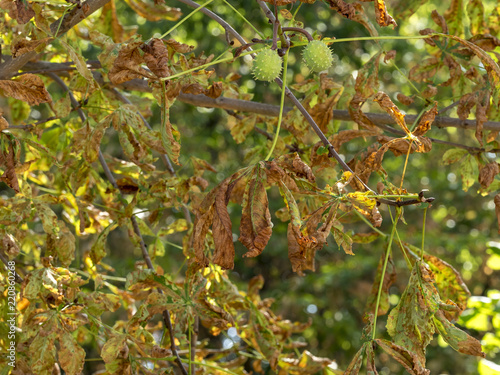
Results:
<point x="410" y="323"/>
<point x="256" y="225"/>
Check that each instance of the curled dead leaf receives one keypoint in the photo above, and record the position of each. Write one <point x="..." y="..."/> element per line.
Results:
<point x="425" y="122"/>
<point x="406" y="100"/>
<point x="156" y="57"/>
<point x="487" y="174"/>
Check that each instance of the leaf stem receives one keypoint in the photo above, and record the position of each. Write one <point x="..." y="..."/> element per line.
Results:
<point x="384" y="269"/>
<point x="423" y="233"/>
<point x="186" y="18"/>
<point x="282" y="105"/>
<point x="244" y="19"/>
<point x="184" y="72"/>
<point x="370" y="224"/>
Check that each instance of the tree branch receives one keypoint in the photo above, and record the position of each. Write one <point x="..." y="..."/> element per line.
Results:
<point x="256" y="107"/>
<point x="61" y="26"/>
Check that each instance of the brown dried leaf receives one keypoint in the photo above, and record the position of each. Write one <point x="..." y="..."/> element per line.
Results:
<point x="386" y="103"/>
<point x="322" y="112"/>
<point x="281" y="2"/>
<point x="399" y="146"/>
<point x="256" y="225"/>
<point x="429" y="92"/>
<point x="482" y="109"/>
<point x="155" y="12"/>
<point x="222" y="228"/>
<point x="440" y="21"/>
<point x="179" y="47"/>
<point x="487" y="174"/>
<point x="406" y="100"/>
<point x="156" y="57"/>
<point x="215" y="90"/>
<point x="353" y="12"/>
<point x="127" y="65"/>
<point x="425" y="122"/>
<point x="345" y="136"/>
<point x="23" y="46"/>
<point x="24" y="12"/>
<point x="28" y="88"/>
<point x="8" y="161"/>
<point x="425" y="70"/>
<point x="294" y="164"/>
<point x="489" y="64"/>
<point x="408" y="359"/>
<point x="3" y="122"/>
<point x="465" y="105"/>
<point x="391" y="55"/>
<point x="383" y="18"/>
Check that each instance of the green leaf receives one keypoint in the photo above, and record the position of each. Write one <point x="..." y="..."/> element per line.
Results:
<point x="98" y="250"/>
<point x="449" y="283"/>
<point x="453" y="155"/>
<point x="468" y="171"/>
<point x="356" y="363"/>
<point x="80" y="63"/>
<point x="48" y="218"/>
<point x="410" y="323"/>
<point x="112" y="348"/>
<point x="43" y="353"/>
<point x="456" y="338"/>
<point x="342" y="238"/>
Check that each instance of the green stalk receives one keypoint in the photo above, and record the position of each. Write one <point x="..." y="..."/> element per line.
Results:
<point x="282" y="105"/>
<point x="423" y="234"/>
<point x="186" y="18"/>
<point x="370" y="224"/>
<point x="384" y="269"/>
<point x="227" y="59"/>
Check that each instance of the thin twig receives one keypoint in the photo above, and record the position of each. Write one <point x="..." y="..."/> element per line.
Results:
<point x="300" y="30"/>
<point x="135" y="225"/>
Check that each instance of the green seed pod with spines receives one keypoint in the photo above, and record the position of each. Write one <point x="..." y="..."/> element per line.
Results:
<point x="267" y="65"/>
<point x="317" y="56"/>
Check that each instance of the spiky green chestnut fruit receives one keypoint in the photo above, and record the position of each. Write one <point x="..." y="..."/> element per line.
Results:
<point x="318" y="56"/>
<point x="267" y="65"/>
